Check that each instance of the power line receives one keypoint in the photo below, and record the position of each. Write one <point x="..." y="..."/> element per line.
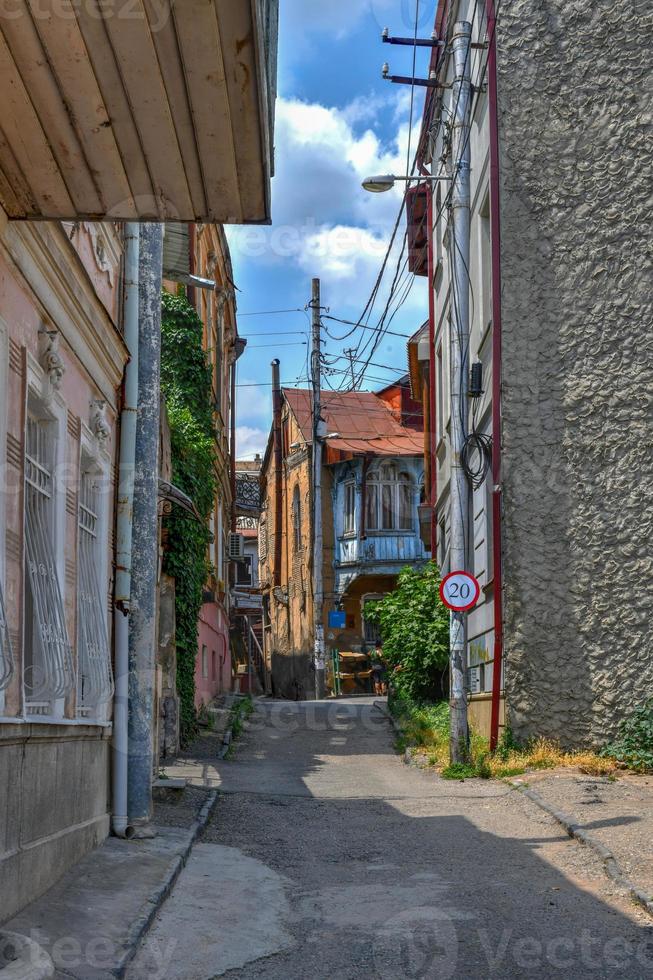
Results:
<point x="296" y="309"/>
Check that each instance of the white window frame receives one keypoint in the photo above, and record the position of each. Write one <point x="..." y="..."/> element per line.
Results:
<point x="48" y="406"/>
<point x="349" y="507"/>
<point x="96" y="461"/>
<point x="376" y="484"/>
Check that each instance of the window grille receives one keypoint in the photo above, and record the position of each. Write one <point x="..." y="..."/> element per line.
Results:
<point x="94" y="674"/>
<point x="47" y="672"/>
<point x="6" y="658"/>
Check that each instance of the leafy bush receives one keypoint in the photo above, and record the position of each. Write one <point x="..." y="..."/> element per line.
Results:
<point x="634" y="746"/>
<point x="414" y="625"/>
<point x="186" y="384"/>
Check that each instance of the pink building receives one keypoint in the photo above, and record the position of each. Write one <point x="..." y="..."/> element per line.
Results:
<point x="61" y="365"/>
<point x="213" y="663"/>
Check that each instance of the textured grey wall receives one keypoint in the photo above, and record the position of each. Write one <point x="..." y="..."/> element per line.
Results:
<point x="574" y="102"/>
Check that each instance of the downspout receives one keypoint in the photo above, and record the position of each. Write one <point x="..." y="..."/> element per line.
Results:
<point x="232" y="445"/>
<point x="495" y="240"/>
<point x="433" y="439"/>
<point x="125" y="498"/>
<point x="278" y="490"/>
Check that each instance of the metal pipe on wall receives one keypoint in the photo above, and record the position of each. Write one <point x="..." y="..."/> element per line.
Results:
<point x="460" y="244"/>
<point x="124" y="501"/>
<point x="145" y="536"/>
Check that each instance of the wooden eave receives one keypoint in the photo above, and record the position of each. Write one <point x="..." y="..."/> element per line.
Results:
<point x="148" y="110"/>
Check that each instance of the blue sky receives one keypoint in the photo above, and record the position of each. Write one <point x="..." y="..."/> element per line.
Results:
<point x="337" y="121"/>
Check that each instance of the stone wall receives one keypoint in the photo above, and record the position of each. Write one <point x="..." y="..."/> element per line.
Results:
<point x="574" y="98"/>
<point x="54" y="790"/>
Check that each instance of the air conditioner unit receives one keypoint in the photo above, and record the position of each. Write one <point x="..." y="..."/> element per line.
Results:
<point x="236" y="547"/>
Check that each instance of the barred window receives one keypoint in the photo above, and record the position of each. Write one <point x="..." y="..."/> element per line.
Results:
<point x="47" y="660"/>
<point x="6" y="658"/>
<point x="94" y="674"/>
<point x="297" y="519"/>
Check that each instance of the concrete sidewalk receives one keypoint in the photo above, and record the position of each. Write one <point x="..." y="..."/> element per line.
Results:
<point x="92" y="920"/>
<point x="614" y="814"/>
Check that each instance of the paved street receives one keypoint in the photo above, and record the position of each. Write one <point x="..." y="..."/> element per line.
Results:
<point x="328" y="857"/>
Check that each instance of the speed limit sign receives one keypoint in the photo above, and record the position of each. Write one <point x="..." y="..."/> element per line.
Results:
<point x="459" y="591"/>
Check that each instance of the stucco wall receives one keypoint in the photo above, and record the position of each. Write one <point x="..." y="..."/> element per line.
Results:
<point x="576" y="298"/>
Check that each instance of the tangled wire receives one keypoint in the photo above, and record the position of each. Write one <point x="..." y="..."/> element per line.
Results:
<point x="476" y="458"/>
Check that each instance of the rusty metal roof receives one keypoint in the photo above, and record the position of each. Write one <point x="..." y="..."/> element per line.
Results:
<point x="357" y="422"/>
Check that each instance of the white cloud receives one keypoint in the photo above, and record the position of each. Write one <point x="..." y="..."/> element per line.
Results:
<point x="324" y="222"/>
<point x="249" y="441"/>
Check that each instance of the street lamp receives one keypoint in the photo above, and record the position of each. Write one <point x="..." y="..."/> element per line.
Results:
<point x="385" y="182"/>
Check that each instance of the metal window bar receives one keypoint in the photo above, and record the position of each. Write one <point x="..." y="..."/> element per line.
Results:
<point x="94" y="673"/>
<point x="47" y="669"/>
<point x="6" y="657"/>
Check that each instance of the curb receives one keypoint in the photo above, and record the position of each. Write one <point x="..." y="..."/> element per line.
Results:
<point x="141" y="925"/>
<point x="610" y="864"/>
<point x="398" y="730"/>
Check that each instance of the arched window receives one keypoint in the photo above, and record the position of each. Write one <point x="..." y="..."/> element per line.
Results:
<point x="389" y="500"/>
<point x="297" y="519"/>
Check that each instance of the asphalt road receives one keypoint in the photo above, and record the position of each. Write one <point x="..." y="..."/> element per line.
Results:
<point x="328" y="857"/>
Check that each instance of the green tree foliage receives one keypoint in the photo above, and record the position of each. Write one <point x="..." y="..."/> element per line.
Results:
<point x="414" y="625"/>
<point x="186" y="384"/>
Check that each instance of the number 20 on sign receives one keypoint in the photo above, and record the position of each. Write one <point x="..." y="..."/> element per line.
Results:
<point x="459" y="591"/>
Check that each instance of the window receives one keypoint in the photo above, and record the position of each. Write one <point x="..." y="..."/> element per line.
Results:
<point x="350" y="508"/>
<point x="389" y="500"/>
<point x="244" y="571"/>
<point x="439" y="422"/>
<point x="297" y="519"/>
<point x="485" y="263"/>
<point x="205" y="662"/>
<point x="48" y="674"/>
<point x="94" y="674"/>
<point x="371" y="632"/>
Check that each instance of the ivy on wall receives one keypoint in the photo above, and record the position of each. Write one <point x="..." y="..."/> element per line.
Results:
<point x="186" y="384"/>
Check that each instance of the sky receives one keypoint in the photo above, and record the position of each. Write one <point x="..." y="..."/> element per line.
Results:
<point x="337" y="121"/>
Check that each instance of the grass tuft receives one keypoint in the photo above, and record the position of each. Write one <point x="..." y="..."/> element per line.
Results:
<point x="426" y="727"/>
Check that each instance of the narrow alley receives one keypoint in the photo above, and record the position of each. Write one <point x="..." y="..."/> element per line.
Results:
<point x="328" y="857"/>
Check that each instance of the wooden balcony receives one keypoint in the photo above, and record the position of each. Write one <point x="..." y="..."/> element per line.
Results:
<point x="137" y="109"/>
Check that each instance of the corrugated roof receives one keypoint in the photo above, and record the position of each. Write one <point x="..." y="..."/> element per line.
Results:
<point x="360" y="421"/>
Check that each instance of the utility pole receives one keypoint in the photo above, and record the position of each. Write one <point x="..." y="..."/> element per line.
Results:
<point x="460" y="211"/>
<point x="318" y="588"/>
<point x="350" y="352"/>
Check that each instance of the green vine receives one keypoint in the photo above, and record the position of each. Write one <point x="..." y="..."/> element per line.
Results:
<point x="186" y="384"/>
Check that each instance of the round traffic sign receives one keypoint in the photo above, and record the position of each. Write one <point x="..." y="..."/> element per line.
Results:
<point x="459" y="591"/>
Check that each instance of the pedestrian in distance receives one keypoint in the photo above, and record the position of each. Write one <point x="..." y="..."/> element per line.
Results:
<point x="379" y="670"/>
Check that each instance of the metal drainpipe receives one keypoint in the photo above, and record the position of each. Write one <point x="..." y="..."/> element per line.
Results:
<point x="145" y="557"/>
<point x="278" y="502"/>
<point x="495" y="239"/>
<point x="125" y="496"/>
